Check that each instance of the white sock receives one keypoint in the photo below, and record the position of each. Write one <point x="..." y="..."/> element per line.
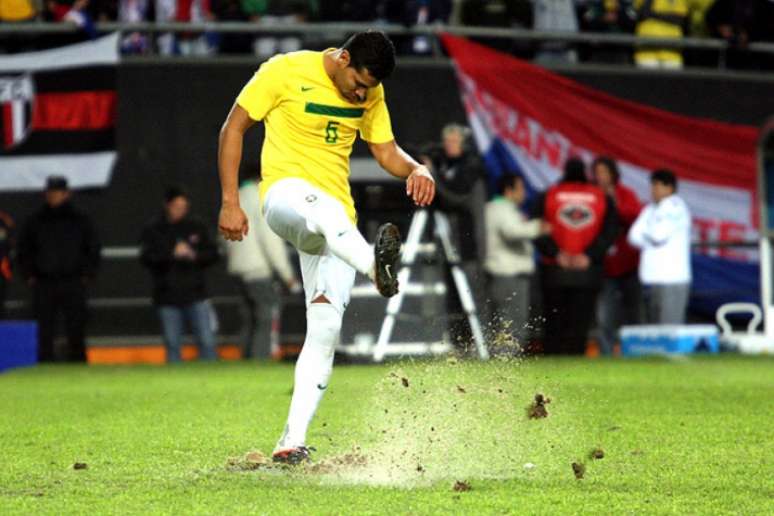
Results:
<point x="343" y="239"/>
<point x="313" y="370"/>
<point x="350" y="246"/>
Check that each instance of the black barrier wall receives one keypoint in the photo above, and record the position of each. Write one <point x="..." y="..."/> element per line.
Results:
<point x="170" y="114"/>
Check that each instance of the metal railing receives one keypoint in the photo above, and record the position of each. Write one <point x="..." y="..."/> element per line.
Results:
<point x="337" y="30"/>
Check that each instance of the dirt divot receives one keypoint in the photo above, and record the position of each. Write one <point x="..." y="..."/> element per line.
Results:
<point x="250" y="461"/>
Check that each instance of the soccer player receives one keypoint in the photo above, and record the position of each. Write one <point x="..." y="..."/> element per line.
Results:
<point x="312" y="105"/>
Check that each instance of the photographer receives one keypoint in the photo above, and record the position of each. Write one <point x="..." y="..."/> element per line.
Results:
<point x="461" y="194"/>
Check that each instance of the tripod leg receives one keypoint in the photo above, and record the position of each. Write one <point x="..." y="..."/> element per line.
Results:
<point x="466" y="298"/>
<point x="410" y="248"/>
<point x="442" y="229"/>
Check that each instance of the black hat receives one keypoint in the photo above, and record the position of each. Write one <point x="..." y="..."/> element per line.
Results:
<point x="56" y="183"/>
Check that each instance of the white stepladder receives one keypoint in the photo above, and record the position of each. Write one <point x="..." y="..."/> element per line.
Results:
<point x="411" y="249"/>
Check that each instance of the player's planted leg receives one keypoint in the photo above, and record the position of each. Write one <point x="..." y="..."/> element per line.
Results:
<point x="313" y="370"/>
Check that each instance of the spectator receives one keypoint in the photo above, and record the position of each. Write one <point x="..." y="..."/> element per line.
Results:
<point x="194" y="11"/>
<point x="417" y="13"/>
<point x="254" y="260"/>
<point x="611" y="17"/>
<point x="660" y="19"/>
<point x="583" y="226"/>
<point x="510" y="260"/>
<point x="740" y="23"/>
<point x="460" y="193"/>
<point x="134" y="11"/>
<point x="232" y="43"/>
<point x="6" y="247"/>
<point x="350" y="10"/>
<point x="555" y="16"/>
<point x="17" y="12"/>
<point x="663" y="234"/>
<point x="58" y="255"/>
<point x="279" y="11"/>
<point x="619" y="300"/>
<point x="177" y="248"/>
<point x="498" y="13"/>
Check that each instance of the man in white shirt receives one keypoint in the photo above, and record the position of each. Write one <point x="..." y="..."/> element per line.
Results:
<point x="510" y="257"/>
<point x="663" y="234"/>
<point x="254" y="261"/>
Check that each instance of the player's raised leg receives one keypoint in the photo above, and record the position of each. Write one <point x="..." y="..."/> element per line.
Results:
<point x="298" y="211"/>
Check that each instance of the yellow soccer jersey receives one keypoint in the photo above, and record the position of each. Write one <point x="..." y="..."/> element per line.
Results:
<point x="310" y="128"/>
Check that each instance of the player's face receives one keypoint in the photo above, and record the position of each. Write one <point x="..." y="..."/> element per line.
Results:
<point x="354" y="84"/>
<point x="177" y="209"/>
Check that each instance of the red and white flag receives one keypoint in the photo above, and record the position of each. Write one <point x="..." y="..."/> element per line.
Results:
<point x="528" y="120"/>
<point x="58" y="115"/>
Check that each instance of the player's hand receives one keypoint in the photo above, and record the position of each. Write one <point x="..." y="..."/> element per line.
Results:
<point x="420" y="186"/>
<point x="232" y="222"/>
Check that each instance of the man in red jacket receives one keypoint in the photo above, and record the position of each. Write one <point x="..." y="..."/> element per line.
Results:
<point x="583" y="226"/>
<point x="619" y="301"/>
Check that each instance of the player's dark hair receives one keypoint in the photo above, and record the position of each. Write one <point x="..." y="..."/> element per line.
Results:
<point x="665" y="177"/>
<point x="506" y="181"/>
<point x="575" y="171"/>
<point x="173" y="192"/>
<point x="610" y="164"/>
<point x="373" y="51"/>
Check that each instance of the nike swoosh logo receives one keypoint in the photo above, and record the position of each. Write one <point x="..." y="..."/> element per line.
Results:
<point x="388" y="270"/>
<point x="322" y="387"/>
<point x="306" y="88"/>
<point x="343" y="233"/>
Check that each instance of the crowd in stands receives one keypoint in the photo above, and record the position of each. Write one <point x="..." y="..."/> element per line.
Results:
<point x="739" y="22"/>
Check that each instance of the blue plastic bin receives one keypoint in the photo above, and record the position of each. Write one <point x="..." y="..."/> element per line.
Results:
<point x="18" y="344"/>
<point x="669" y="339"/>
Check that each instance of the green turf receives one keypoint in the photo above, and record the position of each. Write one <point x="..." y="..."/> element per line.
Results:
<point x="686" y="437"/>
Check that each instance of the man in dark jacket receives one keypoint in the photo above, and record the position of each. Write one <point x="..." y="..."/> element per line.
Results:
<point x="461" y="195"/>
<point x="58" y="253"/>
<point x="619" y="299"/>
<point x="177" y="249"/>
<point x="584" y="224"/>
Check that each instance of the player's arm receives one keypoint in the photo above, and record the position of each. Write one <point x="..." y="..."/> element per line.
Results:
<point x="420" y="185"/>
<point x="232" y="221"/>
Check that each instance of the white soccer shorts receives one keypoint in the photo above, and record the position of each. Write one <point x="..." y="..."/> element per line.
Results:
<point x="296" y="211"/>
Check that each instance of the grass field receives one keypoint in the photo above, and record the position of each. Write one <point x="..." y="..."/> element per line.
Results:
<point x="688" y="437"/>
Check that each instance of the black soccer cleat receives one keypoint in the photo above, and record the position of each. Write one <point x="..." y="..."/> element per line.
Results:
<point x="292" y="456"/>
<point x="386" y="258"/>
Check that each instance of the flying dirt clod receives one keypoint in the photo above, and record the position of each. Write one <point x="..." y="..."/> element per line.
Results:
<point x="462" y="486"/>
<point x="537" y="409"/>
<point x="579" y="469"/>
